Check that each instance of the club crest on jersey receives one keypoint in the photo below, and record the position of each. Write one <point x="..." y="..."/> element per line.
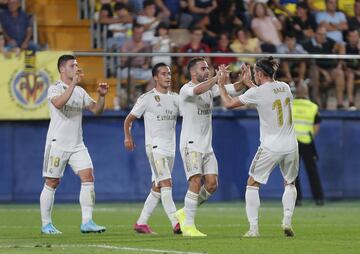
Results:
<point x="157" y="98"/>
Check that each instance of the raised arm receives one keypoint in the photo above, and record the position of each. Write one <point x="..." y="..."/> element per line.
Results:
<point x="61" y="100"/>
<point x="98" y="107"/>
<point x="205" y="86"/>
<point x="227" y="100"/>
<point x="128" y="140"/>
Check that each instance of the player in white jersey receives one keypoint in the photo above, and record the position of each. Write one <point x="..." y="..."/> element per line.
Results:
<point x="160" y="108"/>
<point x="200" y="164"/>
<point x="64" y="143"/>
<point x="278" y="143"/>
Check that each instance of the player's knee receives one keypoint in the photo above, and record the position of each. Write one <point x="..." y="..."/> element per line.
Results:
<point x="87" y="179"/>
<point x="165" y="183"/>
<point x="211" y="186"/>
<point x="86" y="176"/>
<point x="195" y="183"/>
<point x="291" y="183"/>
<point x="52" y="182"/>
<point x="251" y="182"/>
<point x="156" y="188"/>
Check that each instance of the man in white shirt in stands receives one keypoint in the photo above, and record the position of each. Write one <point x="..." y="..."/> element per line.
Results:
<point x="200" y="164"/>
<point x="160" y="108"/>
<point x="278" y="143"/>
<point x="65" y="145"/>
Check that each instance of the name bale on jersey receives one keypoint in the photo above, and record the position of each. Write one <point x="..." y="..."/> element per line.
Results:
<point x="279" y="90"/>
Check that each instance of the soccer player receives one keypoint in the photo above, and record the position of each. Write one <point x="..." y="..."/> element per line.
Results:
<point x="65" y="145"/>
<point x="160" y="108"/>
<point x="278" y="144"/>
<point x="200" y="164"/>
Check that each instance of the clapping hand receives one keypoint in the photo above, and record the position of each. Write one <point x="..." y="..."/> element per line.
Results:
<point x="246" y="75"/>
<point x="222" y="74"/>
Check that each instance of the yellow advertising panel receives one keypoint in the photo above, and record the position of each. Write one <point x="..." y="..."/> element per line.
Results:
<point x="24" y="81"/>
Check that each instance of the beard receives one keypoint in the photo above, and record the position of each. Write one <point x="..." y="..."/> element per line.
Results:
<point x="202" y="78"/>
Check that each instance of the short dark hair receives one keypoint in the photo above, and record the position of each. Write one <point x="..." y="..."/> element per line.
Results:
<point x="193" y="62"/>
<point x="148" y="3"/>
<point x="136" y="25"/>
<point x="155" y="69"/>
<point x="63" y="59"/>
<point x="290" y="34"/>
<point x="268" y="65"/>
<point x="161" y="25"/>
<point x="119" y="6"/>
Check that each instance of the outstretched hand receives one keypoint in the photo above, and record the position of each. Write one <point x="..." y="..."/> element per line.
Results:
<point x="222" y="74"/>
<point x="246" y="75"/>
<point x="103" y="89"/>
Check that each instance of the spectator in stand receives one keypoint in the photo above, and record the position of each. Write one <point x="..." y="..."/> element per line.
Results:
<point x="303" y="23"/>
<point x="194" y="46"/>
<point x="266" y="27"/>
<point x="352" y="65"/>
<point x="162" y="44"/>
<point x="292" y="67"/>
<point x="334" y="21"/>
<point x="149" y="20"/>
<point x="107" y="17"/>
<point x="219" y="21"/>
<point x="178" y="18"/>
<point x="330" y="69"/>
<point x="223" y="47"/>
<point x="201" y="8"/>
<point x="242" y="12"/>
<point x="163" y="11"/>
<point x="17" y="27"/>
<point x="354" y="22"/>
<point x="120" y="31"/>
<point x="244" y="43"/>
<point x="3" y="5"/>
<point x="138" y="67"/>
<point x="5" y="51"/>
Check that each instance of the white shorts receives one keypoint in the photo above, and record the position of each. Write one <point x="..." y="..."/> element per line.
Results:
<point x="161" y="165"/>
<point x="264" y="163"/>
<point x="198" y="163"/>
<point x="56" y="159"/>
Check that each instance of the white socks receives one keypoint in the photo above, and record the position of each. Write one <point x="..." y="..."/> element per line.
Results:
<point x="168" y="204"/>
<point x="252" y="204"/>
<point x="203" y="195"/>
<point x="288" y="200"/>
<point x="149" y="206"/>
<point x="47" y="197"/>
<point x="191" y="203"/>
<point x="87" y="201"/>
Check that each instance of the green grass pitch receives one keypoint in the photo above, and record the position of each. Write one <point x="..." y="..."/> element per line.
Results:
<point x="333" y="228"/>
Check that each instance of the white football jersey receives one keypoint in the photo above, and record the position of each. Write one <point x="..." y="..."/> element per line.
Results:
<point x="273" y="101"/>
<point x="196" y="110"/>
<point x="65" y="127"/>
<point x="160" y="113"/>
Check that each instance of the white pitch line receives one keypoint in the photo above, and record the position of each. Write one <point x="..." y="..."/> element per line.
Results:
<point x="111" y="247"/>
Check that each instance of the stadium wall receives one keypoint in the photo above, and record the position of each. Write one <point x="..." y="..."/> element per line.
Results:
<point x="125" y="176"/>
